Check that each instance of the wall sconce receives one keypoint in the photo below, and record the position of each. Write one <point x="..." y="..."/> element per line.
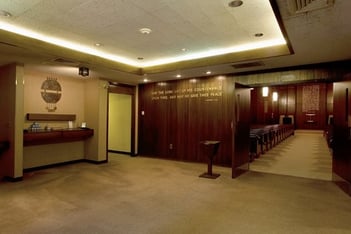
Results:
<point x="275" y="96"/>
<point x="265" y="92"/>
<point x="83" y="71"/>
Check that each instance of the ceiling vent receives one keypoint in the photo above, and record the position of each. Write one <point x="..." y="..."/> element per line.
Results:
<point x="247" y="65"/>
<point x="302" y="6"/>
<point x="7" y="44"/>
<point x="65" y="61"/>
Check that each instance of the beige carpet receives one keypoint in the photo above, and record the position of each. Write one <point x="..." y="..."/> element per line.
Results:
<point x="145" y="195"/>
<point x="306" y="154"/>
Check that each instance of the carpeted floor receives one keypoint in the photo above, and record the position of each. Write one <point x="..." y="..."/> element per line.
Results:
<point x="306" y="154"/>
<point x="145" y="195"/>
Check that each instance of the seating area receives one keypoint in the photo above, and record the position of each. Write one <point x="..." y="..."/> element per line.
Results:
<point x="265" y="137"/>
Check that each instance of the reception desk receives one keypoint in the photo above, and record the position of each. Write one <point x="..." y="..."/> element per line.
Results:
<point x="41" y="136"/>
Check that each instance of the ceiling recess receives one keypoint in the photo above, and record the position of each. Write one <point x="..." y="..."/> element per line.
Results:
<point x="247" y="65"/>
<point x="302" y="6"/>
<point x="65" y="62"/>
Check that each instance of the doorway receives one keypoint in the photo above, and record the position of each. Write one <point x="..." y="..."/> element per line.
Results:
<point x="121" y="120"/>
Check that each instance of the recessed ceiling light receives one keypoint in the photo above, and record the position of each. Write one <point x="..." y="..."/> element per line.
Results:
<point x="184" y="49"/>
<point x="145" y="30"/>
<point x="145" y="80"/>
<point x="208" y="72"/>
<point x="258" y="34"/>
<point x="235" y="3"/>
<point x="5" y="13"/>
<point x="178" y="75"/>
<point x="98" y="44"/>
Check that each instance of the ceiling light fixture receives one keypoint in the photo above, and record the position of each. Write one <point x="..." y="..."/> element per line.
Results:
<point x="145" y="31"/>
<point x="178" y="75"/>
<point x="208" y="72"/>
<point x="5" y="13"/>
<point x="83" y="71"/>
<point x="98" y="44"/>
<point x="235" y="3"/>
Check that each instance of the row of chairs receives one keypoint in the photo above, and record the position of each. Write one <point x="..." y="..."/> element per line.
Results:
<point x="263" y="138"/>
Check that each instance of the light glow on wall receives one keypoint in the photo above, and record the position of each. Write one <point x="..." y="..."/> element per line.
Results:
<point x="275" y="96"/>
<point x="265" y="91"/>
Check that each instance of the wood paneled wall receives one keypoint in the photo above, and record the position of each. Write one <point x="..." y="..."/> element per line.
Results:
<point x="342" y="135"/>
<point x="176" y="116"/>
<point x="240" y="160"/>
<point x="292" y="100"/>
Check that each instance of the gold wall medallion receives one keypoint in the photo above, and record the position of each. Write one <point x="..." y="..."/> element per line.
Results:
<point x="51" y="93"/>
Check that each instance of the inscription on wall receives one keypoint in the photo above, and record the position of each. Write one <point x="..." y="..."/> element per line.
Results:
<point x="208" y="92"/>
<point x="310" y="98"/>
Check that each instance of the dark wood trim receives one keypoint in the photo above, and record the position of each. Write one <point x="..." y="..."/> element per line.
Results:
<point x="55" y="136"/>
<point x="50" y="117"/>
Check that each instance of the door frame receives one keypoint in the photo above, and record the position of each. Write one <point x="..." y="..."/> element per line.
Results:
<point x="129" y="90"/>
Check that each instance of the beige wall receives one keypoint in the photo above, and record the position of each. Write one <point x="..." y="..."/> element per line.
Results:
<point x="71" y="102"/>
<point x="41" y="155"/>
<point x="20" y="93"/>
<point x="18" y="128"/>
<point x="96" y="117"/>
<point x="79" y="97"/>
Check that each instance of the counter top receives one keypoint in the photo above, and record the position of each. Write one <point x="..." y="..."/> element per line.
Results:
<point x="43" y="136"/>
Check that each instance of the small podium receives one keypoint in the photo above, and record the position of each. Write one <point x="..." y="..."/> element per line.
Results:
<point x="210" y="148"/>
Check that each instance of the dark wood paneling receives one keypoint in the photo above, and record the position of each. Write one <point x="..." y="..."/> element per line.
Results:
<point x="240" y="160"/>
<point x="341" y="135"/>
<point x="176" y="116"/>
<point x="290" y="102"/>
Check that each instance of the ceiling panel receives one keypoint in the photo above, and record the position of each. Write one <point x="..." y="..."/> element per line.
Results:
<point x="197" y="25"/>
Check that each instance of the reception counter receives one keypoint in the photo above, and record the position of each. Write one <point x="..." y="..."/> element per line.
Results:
<point x="41" y="136"/>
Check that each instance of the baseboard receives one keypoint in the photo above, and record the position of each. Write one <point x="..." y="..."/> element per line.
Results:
<point x="119" y="152"/>
<point x="132" y="154"/>
<point x="342" y="183"/>
<point x="53" y="165"/>
<point x="11" y="179"/>
<point x="95" y="162"/>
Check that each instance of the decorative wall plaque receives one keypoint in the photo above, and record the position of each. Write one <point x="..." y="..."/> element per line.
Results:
<point x="51" y="93"/>
<point x="310" y="98"/>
